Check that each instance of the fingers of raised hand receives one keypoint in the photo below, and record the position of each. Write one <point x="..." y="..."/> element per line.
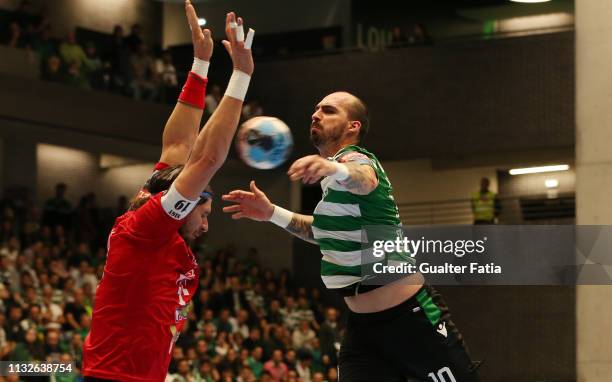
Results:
<point x="233" y="208"/>
<point x="239" y="30"/>
<point x="228" y="46"/>
<point x="298" y="165"/>
<point x="192" y="17"/>
<point x="235" y="32"/>
<point x="237" y="195"/>
<point x="237" y="215"/>
<point x="230" y="27"/>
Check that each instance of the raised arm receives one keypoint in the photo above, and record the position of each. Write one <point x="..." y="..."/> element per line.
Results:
<point x="255" y="205"/>
<point x="182" y="127"/>
<point x="213" y="142"/>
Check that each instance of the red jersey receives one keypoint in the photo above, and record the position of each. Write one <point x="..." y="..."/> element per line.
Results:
<point x="142" y="300"/>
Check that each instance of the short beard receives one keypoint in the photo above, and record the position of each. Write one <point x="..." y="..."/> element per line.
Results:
<point x="315" y="139"/>
<point x="323" y="142"/>
<point x="184" y="236"/>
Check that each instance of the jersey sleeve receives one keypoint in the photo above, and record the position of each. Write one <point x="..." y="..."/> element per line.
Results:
<point x="151" y="221"/>
<point x="356" y="157"/>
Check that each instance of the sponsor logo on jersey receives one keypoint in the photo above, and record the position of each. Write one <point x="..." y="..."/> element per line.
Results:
<point x="442" y="329"/>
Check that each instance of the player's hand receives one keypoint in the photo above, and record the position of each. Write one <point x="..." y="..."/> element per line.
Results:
<point x="254" y="205"/>
<point x="311" y="168"/>
<point x="201" y="38"/>
<point x="242" y="58"/>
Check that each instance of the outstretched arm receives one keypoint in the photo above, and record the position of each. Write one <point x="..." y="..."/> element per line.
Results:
<point x="213" y="142"/>
<point x="353" y="173"/>
<point x="182" y="127"/>
<point x="255" y="205"/>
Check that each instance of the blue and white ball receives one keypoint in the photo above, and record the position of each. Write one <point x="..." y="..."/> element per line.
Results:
<point x="264" y="142"/>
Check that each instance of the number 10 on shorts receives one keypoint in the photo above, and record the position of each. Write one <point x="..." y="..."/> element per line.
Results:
<point x="442" y="375"/>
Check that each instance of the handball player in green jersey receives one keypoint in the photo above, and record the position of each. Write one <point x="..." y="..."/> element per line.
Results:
<point x="395" y="332"/>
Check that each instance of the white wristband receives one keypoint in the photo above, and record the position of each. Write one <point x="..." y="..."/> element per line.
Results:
<point x="281" y="217"/>
<point x="238" y="85"/>
<point x="176" y="205"/>
<point x="200" y="67"/>
<point x="342" y="172"/>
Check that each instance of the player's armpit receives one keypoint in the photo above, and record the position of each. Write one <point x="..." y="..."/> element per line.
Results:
<point x="362" y="178"/>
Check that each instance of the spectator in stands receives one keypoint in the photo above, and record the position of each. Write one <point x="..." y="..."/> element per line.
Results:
<point x="45" y="47"/>
<point x="419" y="35"/>
<point x="53" y="70"/>
<point x="52" y="347"/>
<point x="29" y="350"/>
<point x="254" y="361"/>
<point x="207" y="373"/>
<point x="332" y="374"/>
<point x="16" y="39"/>
<point x="74" y="310"/>
<point x="398" y="38"/>
<point x="485" y="205"/>
<point x="182" y="374"/>
<point x="276" y="367"/>
<point x="75" y="59"/>
<point x="329" y="334"/>
<point x="118" y="55"/>
<point x="134" y="39"/>
<point x="290" y="358"/>
<point x="234" y="298"/>
<point x="303" y="335"/>
<point x="291" y="314"/>
<point x="94" y="67"/>
<point x="57" y="210"/>
<point x="240" y="323"/>
<point x="143" y="74"/>
<point x="304" y="365"/>
<point x="87" y="220"/>
<point x="166" y="75"/>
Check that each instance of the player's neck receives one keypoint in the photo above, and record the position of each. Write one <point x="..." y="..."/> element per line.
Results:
<point x="328" y="151"/>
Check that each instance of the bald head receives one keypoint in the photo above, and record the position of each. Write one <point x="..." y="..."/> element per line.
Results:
<point x="355" y="108"/>
<point x="340" y="118"/>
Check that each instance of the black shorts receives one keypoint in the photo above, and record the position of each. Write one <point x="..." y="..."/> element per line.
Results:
<point x="414" y="341"/>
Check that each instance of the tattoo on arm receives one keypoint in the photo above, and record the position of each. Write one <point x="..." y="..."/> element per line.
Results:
<point x="362" y="179"/>
<point x="301" y="226"/>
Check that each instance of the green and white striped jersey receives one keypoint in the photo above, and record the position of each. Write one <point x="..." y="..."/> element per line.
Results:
<point x="340" y="219"/>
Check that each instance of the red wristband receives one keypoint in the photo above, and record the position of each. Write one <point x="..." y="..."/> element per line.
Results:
<point x="194" y="91"/>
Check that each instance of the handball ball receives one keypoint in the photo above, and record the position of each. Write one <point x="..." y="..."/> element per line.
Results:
<point x="264" y="142"/>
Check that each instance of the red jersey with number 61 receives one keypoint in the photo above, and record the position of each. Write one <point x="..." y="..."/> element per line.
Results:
<point x="143" y="298"/>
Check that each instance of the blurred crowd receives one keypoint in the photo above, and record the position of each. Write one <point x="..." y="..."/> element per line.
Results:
<point x="122" y="63"/>
<point x="247" y="323"/>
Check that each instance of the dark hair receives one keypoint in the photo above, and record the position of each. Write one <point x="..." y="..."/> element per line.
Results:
<point x="358" y="111"/>
<point x="160" y="181"/>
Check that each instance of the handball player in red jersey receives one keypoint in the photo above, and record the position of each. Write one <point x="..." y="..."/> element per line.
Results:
<point x="151" y="274"/>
